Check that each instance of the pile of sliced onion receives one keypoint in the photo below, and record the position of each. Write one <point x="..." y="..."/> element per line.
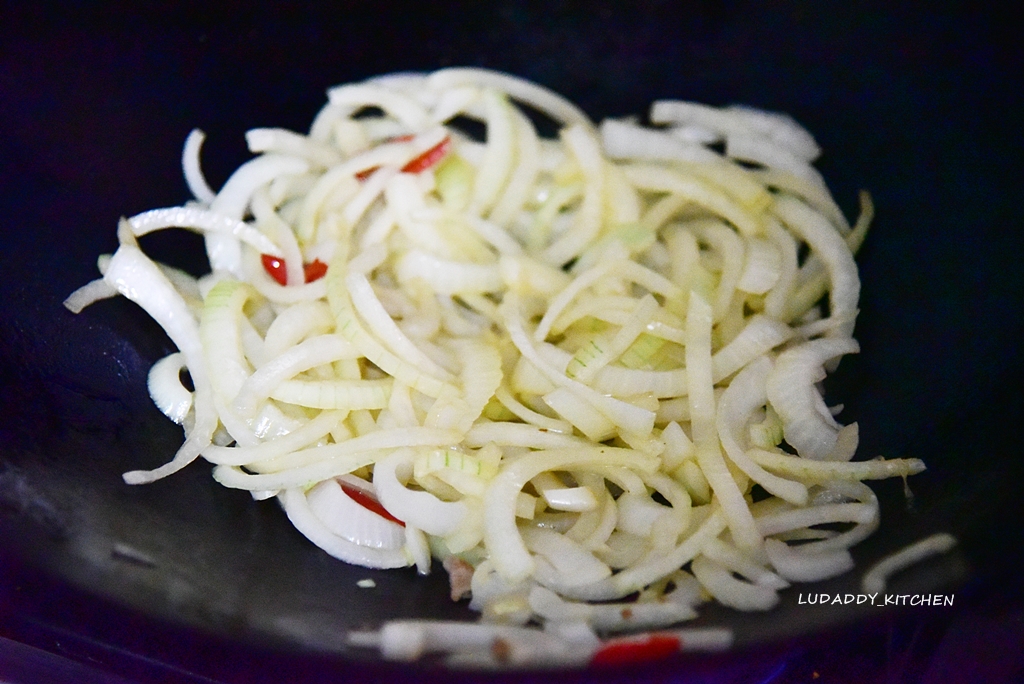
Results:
<point x="583" y="367"/>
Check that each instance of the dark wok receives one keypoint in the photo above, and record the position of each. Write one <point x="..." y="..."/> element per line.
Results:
<point x="183" y="580"/>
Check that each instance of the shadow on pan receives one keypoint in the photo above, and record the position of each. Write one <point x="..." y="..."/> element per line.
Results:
<point x="186" y="579"/>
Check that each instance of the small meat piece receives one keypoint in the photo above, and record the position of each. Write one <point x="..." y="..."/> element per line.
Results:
<point x="460" y="576"/>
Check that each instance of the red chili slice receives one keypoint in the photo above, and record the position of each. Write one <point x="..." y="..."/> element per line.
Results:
<point x="314" y="270"/>
<point x="363" y="175"/>
<point x="275" y="268"/>
<point x="369" y="503"/>
<point x="631" y="650"/>
<point x="418" y="164"/>
<point x="428" y="158"/>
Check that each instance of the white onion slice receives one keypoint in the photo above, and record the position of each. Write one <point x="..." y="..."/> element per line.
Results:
<point x="194" y="177"/>
<point x="91" y="292"/>
<point x="570" y="564"/>
<point x="577" y="499"/>
<point x="744" y="395"/>
<point x="730" y="591"/>
<point x="808" y="425"/>
<point x="204" y="221"/>
<point x="875" y="578"/>
<point x="303" y="356"/>
<point x="346" y="518"/>
<point x="139" y="279"/>
<point x="624" y="140"/>
<point x="831" y="248"/>
<point x="422" y="510"/>
<point x="530" y="93"/>
<point x="166" y="390"/>
<point x="807" y="567"/>
<point x="299" y="513"/>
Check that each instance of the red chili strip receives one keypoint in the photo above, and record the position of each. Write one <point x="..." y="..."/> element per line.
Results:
<point x="363" y="175"/>
<point x="418" y="164"/>
<point x="632" y="650"/>
<point x="429" y="158"/>
<point x="369" y="503"/>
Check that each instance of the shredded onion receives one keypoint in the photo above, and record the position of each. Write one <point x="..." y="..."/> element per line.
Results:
<point x="562" y="363"/>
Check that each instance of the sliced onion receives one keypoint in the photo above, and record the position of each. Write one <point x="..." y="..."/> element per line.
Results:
<point x="734" y="560"/>
<point x="204" y="221"/>
<point x="730" y="591"/>
<point x="586" y="224"/>
<point x="577" y="499"/>
<point x="166" y="390"/>
<point x="875" y="578"/>
<point x="139" y="279"/>
<point x="290" y="143"/>
<point x="422" y="510"/>
<point x="89" y="293"/>
<point x="569" y="562"/>
<point x="744" y="395"/>
<point x="303" y="356"/>
<point x="221" y="337"/>
<point x="718" y="202"/>
<point x="738" y="121"/>
<point x="502" y="537"/>
<point x="522" y="176"/>
<point x="194" y="177"/>
<point x="656" y="565"/>
<point x="340" y="514"/>
<point x="831" y="248"/>
<point x="627" y="416"/>
<point x="762" y="267"/>
<point x="793" y="564"/>
<point x="625" y="140"/>
<point x="809" y="427"/>
<point x="294" y="323"/>
<point x="308" y="434"/>
<point x="350" y="395"/>
<point x="761" y="335"/>
<point x="530" y="93"/>
<point x="223" y="250"/>
<point x="750" y="148"/>
<point x="499" y="153"/>
<point x="352" y="330"/>
<point x="702" y="420"/>
<point x="581" y="415"/>
<point x="350" y="98"/>
<point x="448" y="277"/>
<point x="301" y="515"/>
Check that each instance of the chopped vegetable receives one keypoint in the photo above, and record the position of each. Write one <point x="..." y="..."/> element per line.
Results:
<point x="625" y="651"/>
<point x="560" y="365"/>
<point x="276" y="269"/>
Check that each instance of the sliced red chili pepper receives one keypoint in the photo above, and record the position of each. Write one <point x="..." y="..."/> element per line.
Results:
<point x="314" y="270"/>
<point x="632" y="650"/>
<point x="363" y="175"/>
<point x="274" y="266"/>
<point x="428" y="158"/>
<point x="369" y="503"/>
<point x="418" y="164"/>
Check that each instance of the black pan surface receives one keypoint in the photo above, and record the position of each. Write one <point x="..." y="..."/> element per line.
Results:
<point x="184" y="580"/>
